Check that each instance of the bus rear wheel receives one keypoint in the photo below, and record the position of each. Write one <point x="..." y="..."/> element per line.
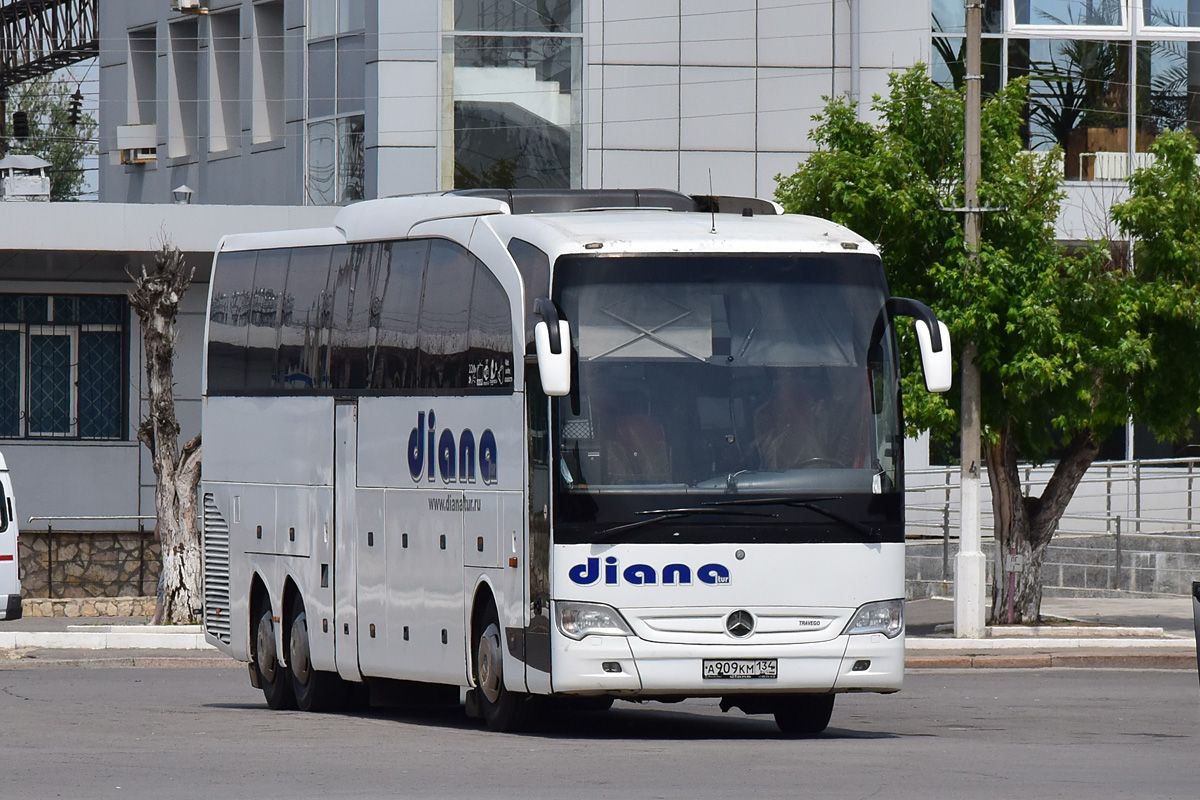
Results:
<point x="501" y="709"/>
<point x="274" y="682"/>
<point x="804" y="714"/>
<point x="314" y="690"/>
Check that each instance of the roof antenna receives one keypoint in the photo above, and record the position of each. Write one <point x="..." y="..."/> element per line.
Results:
<point x="712" y="203"/>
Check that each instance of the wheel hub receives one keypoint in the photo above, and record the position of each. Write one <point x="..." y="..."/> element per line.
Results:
<point x="264" y="649"/>
<point x="491" y="678"/>
<point x="298" y="657"/>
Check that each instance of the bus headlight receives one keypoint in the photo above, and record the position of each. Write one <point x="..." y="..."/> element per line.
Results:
<point x="886" y="617"/>
<point x="577" y="620"/>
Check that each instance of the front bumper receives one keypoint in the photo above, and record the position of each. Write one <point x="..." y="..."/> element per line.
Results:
<point x="10" y="606"/>
<point x="631" y="666"/>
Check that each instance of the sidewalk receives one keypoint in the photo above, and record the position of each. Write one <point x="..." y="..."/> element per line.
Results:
<point x="1142" y="633"/>
<point x="32" y="642"/>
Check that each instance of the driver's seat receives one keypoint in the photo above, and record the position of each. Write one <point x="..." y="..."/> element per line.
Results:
<point x="787" y="433"/>
<point x="637" y="451"/>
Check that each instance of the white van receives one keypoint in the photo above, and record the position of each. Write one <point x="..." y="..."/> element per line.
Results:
<point x="10" y="563"/>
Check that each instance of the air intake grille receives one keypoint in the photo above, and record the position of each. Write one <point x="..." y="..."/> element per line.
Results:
<point x="216" y="571"/>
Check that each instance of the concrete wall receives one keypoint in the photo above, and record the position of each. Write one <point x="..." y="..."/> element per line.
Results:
<point x="265" y="173"/>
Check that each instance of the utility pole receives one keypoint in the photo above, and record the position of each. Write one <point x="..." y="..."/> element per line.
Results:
<point x="970" y="566"/>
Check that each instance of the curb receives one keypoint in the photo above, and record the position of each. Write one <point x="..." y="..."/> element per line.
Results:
<point x="1114" y="660"/>
<point x="116" y="639"/>
<point x="122" y="662"/>
<point x="1046" y="643"/>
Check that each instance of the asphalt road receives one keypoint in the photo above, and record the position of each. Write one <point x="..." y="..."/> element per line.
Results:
<point x="205" y="733"/>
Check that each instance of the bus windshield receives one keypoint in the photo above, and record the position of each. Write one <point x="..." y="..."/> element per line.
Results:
<point x="761" y="374"/>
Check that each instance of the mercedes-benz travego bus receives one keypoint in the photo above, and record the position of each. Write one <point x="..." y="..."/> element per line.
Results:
<point x="569" y="446"/>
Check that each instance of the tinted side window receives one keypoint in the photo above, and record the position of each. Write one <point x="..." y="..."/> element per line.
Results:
<point x="350" y="276"/>
<point x="445" y="311"/>
<point x="394" y="357"/>
<point x="229" y="318"/>
<point x="304" y="323"/>
<point x="266" y="307"/>
<point x="534" y="265"/>
<point x="489" y="340"/>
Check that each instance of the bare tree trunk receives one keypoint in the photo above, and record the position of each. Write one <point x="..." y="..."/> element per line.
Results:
<point x="156" y="298"/>
<point x="1024" y="526"/>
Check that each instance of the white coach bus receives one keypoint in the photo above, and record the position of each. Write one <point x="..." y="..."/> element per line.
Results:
<point x="591" y="444"/>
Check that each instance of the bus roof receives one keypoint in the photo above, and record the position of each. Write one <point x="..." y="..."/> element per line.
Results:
<point x="651" y="231"/>
<point x="604" y="229"/>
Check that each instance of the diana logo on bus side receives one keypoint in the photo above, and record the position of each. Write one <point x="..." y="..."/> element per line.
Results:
<point x="454" y="460"/>
<point x="645" y="575"/>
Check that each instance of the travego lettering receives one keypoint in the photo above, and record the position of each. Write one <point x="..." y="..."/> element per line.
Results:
<point x="590" y="572"/>
<point x="454" y="460"/>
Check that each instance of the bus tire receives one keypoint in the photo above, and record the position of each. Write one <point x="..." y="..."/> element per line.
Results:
<point x="314" y="690"/>
<point x="272" y="679"/>
<point x="501" y="709"/>
<point x="804" y="714"/>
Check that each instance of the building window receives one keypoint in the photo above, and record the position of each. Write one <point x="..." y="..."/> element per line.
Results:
<point x="143" y="76"/>
<point x="267" y="115"/>
<point x="517" y="99"/>
<point x="337" y="69"/>
<point x="183" y="125"/>
<point x="224" y="110"/>
<point x="1106" y="77"/>
<point x="63" y="369"/>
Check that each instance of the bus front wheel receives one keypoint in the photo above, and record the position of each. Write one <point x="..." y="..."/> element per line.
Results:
<point x="502" y="710"/>
<point x="804" y="714"/>
<point x="314" y="690"/>
<point x="274" y="682"/>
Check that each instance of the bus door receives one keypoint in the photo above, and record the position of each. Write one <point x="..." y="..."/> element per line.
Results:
<point x="345" y="524"/>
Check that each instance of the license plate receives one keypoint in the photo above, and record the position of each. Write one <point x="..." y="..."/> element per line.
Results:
<point x="741" y="668"/>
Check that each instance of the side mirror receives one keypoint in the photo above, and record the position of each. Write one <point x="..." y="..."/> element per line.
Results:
<point x="937" y="365"/>
<point x="932" y="337"/>
<point x="552" y="343"/>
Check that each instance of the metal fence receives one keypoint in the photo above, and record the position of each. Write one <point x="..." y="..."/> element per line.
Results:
<point x="1132" y="526"/>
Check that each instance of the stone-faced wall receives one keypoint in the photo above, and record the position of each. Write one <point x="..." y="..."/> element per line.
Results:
<point x="70" y="564"/>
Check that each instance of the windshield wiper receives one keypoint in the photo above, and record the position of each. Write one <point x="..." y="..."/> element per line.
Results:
<point x="662" y="514"/>
<point x="810" y="504"/>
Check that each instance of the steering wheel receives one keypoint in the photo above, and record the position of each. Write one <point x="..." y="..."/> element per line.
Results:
<point x="820" y="462"/>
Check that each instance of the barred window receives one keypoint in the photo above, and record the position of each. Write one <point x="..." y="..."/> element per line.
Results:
<point x="63" y="367"/>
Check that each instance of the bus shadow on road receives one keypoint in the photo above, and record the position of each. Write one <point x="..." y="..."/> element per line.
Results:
<point x="624" y="721"/>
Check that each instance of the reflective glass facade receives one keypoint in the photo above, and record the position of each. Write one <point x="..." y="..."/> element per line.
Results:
<point x="516" y="99"/>
<point x="1106" y="76"/>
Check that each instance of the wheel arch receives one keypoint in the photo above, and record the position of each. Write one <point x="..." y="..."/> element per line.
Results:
<point x="485" y="594"/>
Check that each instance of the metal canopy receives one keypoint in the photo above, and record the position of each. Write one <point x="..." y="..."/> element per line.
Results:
<point x="38" y="37"/>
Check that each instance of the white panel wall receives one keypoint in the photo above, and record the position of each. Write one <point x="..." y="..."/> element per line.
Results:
<point x="732" y="172"/>
<point x="717" y="108"/>
<point x="656" y="169"/>
<point x="718" y="32"/>
<point x="796" y="34"/>
<point x="787" y="100"/>
<point x="731" y="86"/>
<point x="895" y="32"/>
<point x="408" y="103"/>
<point x="641" y="108"/>
<point x="407" y="170"/>
<point x="641" y="32"/>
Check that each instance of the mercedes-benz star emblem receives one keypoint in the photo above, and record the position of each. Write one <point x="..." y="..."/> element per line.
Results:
<point x="740" y="624"/>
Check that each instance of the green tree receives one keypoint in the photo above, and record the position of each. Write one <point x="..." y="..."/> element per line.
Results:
<point x="1058" y="333"/>
<point x="53" y="134"/>
<point x="1162" y="216"/>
